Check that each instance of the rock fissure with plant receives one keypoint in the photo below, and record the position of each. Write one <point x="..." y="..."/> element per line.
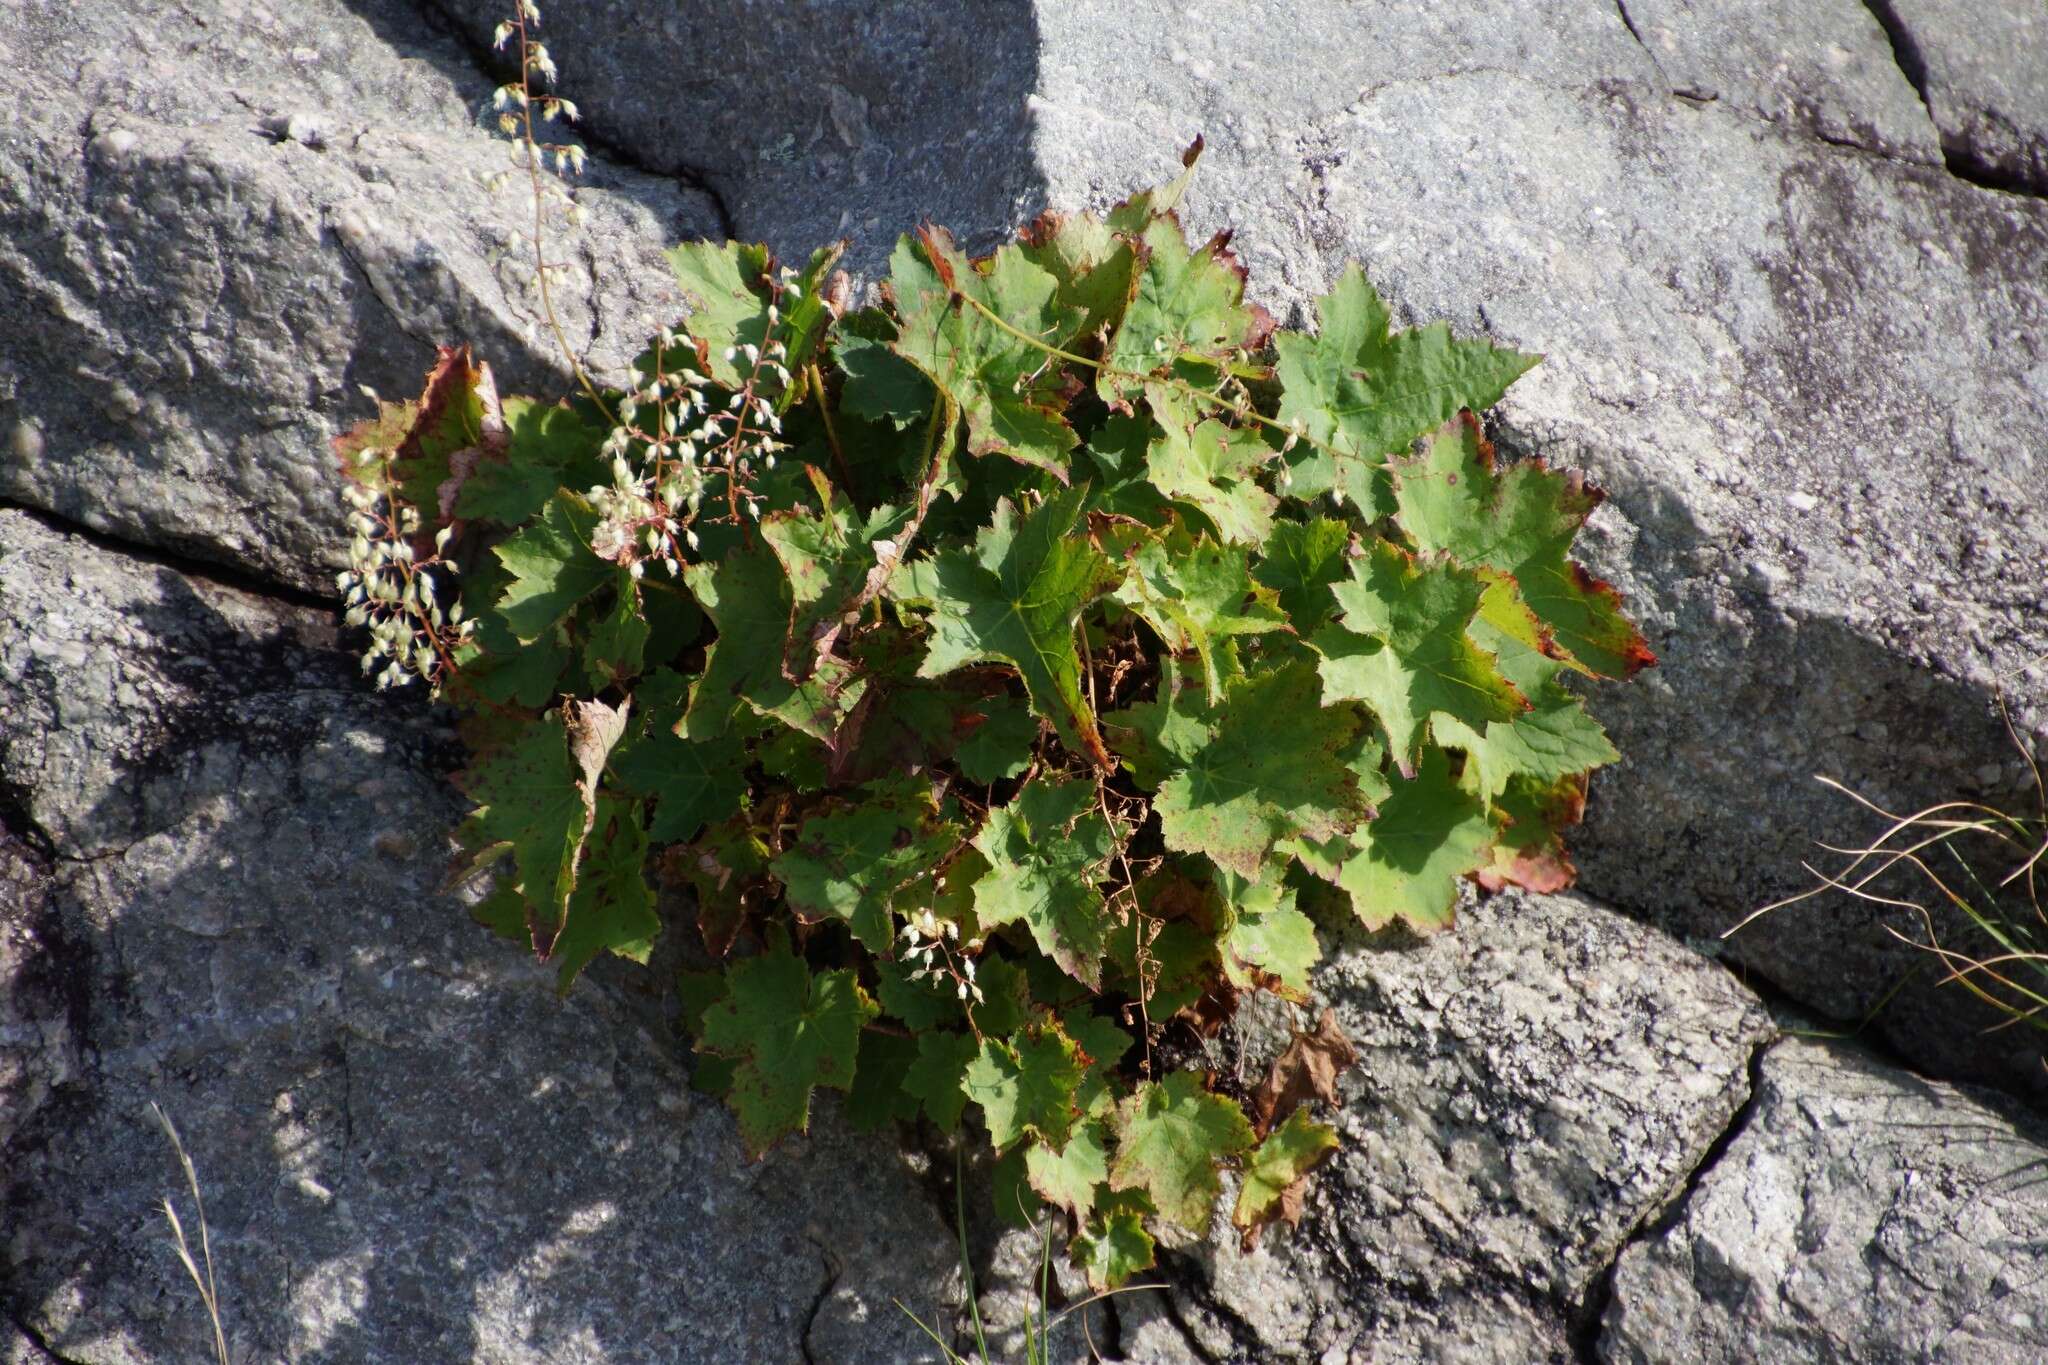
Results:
<point x="1006" y="677"/>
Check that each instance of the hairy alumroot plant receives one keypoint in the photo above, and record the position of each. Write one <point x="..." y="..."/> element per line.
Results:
<point x="998" y="684"/>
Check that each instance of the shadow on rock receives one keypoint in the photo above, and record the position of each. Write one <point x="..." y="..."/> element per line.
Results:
<point x="410" y="1148"/>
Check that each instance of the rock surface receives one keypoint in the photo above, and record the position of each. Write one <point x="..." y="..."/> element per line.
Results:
<point x="1804" y="358"/>
<point x="210" y="247"/>
<point x="1792" y="325"/>
<point x="813" y="119"/>
<point x="1859" y="1214"/>
<point x="1529" y="1092"/>
<point x="1979" y="68"/>
<point x="409" y="1149"/>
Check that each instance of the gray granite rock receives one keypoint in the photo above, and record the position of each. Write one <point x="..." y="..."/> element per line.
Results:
<point x="219" y="221"/>
<point x="1529" y="1092"/>
<point x="1860" y="1213"/>
<point x="410" y="1149"/>
<point x="1813" y="380"/>
<point x="1805" y="360"/>
<point x="1982" y="68"/>
<point x="813" y="119"/>
<point x="1825" y="67"/>
<point x="38" y="1049"/>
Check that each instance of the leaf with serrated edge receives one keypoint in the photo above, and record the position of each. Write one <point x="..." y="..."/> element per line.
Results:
<point x="530" y="799"/>
<point x="1007" y="391"/>
<point x="1200" y="462"/>
<point x="1300" y="561"/>
<point x="999" y="746"/>
<point x="1272" y="770"/>
<point x="1196" y="594"/>
<point x="1114" y="1246"/>
<point x="1046" y="850"/>
<point x="830" y="559"/>
<point x="789" y="1032"/>
<point x="1403" y="649"/>
<point x="1067" y="1175"/>
<point x="722" y="283"/>
<point x="939" y="1074"/>
<point x="1361" y="394"/>
<point x="1269" y="942"/>
<point x="1016" y="600"/>
<point x="612" y="909"/>
<point x="1170" y="1136"/>
<point x="1026" y="1086"/>
<point x="1520" y="522"/>
<point x="747" y="596"/>
<point x="1186" y="304"/>
<point x="552" y="567"/>
<point x="1405" y="863"/>
<point x="692" y="783"/>
<point x="848" y="864"/>
<point x="1277" y="1173"/>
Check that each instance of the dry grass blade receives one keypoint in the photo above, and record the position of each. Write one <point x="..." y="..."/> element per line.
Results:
<point x="209" y="1293"/>
<point x="2014" y="978"/>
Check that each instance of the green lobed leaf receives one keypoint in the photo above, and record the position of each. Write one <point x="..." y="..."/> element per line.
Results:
<point x="693" y="783"/>
<point x="1300" y="562"/>
<point x="938" y="1077"/>
<point x="1007" y="392"/>
<point x="999" y="745"/>
<point x="1360" y="393"/>
<point x="1268" y="942"/>
<point x="1272" y="769"/>
<point x="1026" y="1085"/>
<point x="532" y="801"/>
<point x="617" y="643"/>
<point x="849" y="864"/>
<point x="748" y="598"/>
<point x="1067" y="1175"/>
<point x="1046" y="851"/>
<point x="1276" y="1172"/>
<point x="1403" y="649"/>
<point x="547" y="447"/>
<point x="723" y="283"/>
<point x="552" y="567"/>
<point x="1113" y="1247"/>
<point x="1195" y="595"/>
<point x="789" y="1032"/>
<point x="1405" y="863"/>
<point x="1204" y="464"/>
<point x="830" y="559"/>
<point x="880" y="1096"/>
<point x="1187" y="303"/>
<point x="1171" y="1135"/>
<point x="612" y="909"/>
<point x="1016" y="600"/>
<point x="1520" y="522"/>
<point x="1554" y="738"/>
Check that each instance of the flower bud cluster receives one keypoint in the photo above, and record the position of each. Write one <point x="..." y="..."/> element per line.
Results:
<point x="415" y="626"/>
<point x="681" y="437"/>
<point x="928" y="939"/>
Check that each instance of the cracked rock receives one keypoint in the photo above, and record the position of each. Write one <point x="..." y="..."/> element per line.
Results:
<point x="1529" y="1091"/>
<point x="1983" y="71"/>
<point x="210" y="249"/>
<point x="410" y="1149"/>
<point x="1862" y="1213"/>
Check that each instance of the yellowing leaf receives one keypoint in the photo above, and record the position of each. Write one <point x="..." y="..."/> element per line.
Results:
<point x="1277" y="1174"/>
<point x="1170" y="1136"/>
